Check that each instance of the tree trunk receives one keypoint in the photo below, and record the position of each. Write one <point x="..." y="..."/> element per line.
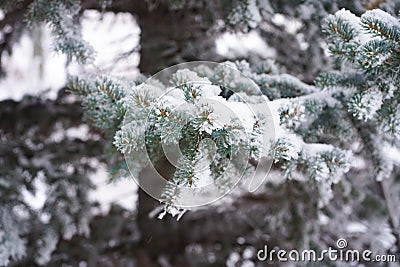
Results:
<point x="170" y="36"/>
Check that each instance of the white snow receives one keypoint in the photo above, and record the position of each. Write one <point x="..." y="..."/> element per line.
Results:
<point x="187" y="76"/>
<point x="247" y="13"/>
<point x="378" y="14"/>
<point x="248" y="252"/>
<point x="346" y="15"/>
<point x="247" y="263"/>
<point x="371" y="102"/>
<point x="233" y="259"/>
<point x="234" y="45"/>
<point x="355" y="22"/>
<point x="356" y="227"/>
<point x="122" y="192"/>
<point x="290" y="25"/>
<point x="226" y="111"/>
<point x="80" y="132"/>
<point x="286" y="78"/>
<point x="47" y="244"/>
<point x="32" y="68"/>
<point x="390" y="153"/>
<point x="209" y="90"/>
<point x="323" y="219"/>
<point x="37" y="200"/>
<point x="317" y="148"/>
<point x="254" y="13"/>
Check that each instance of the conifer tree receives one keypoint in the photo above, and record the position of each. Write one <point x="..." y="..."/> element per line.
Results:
<point x="333" y="174"/>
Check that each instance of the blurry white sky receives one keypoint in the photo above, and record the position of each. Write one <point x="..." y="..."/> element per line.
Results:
<point x="35" y="68"/>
